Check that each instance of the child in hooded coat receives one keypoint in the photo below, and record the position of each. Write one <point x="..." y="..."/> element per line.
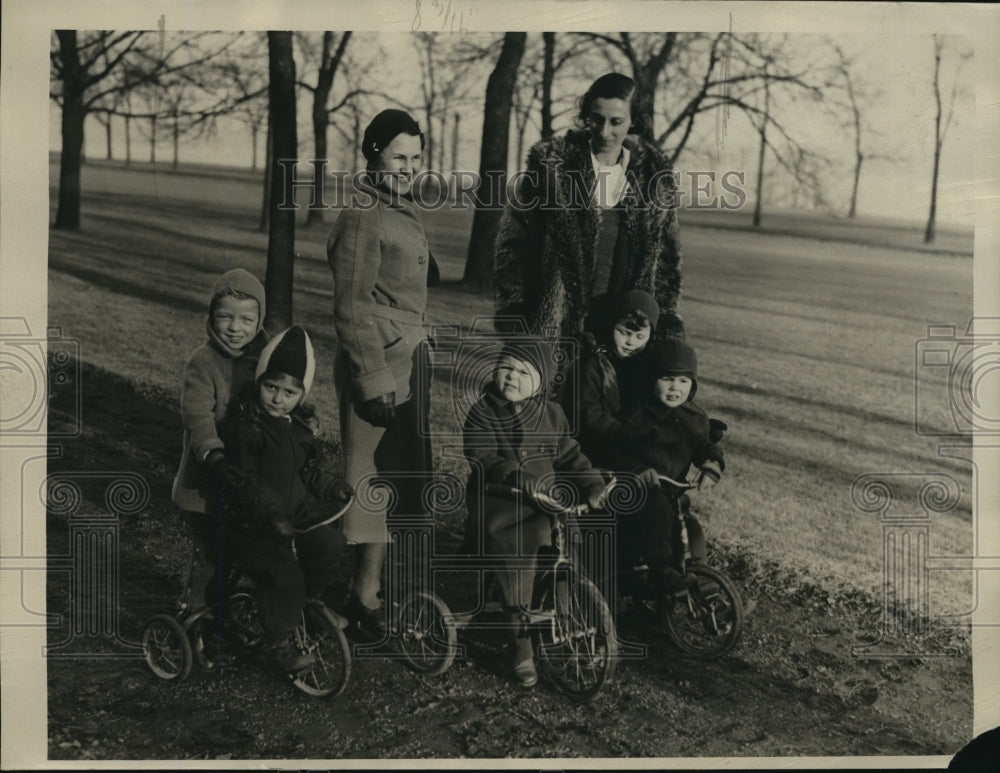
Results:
<point x="274" y="480"/>
<point x="671" y="433"/>
<point x="514" y="436"/>
<point x="217" y="371"/>
<point x="611" y="372"/>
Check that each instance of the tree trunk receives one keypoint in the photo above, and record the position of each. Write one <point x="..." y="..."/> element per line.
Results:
<point x="356" y="145"/>
<point x="454" y="142"/>
<point x="73" y="115"/>
<point x="647" y="76"/>
<point x="107" y="135"/>
<point x="254" y="131"/>
<point x="858" y="160"/>
<point x="128" y="140"/>
<point x="493" y="158"/>
<point x="932" y="215"/>
<point x="177" y="143"/>
<point x="929" y="232"/>
<point x="152" y="139"/>
<point x="645" y="99"/>
<point x="548" y="74"/>
<point x="265" y="206"/>
<point x="321" y="118"/>
<point x="760" y="157"/>
<point x="278" y="281"/>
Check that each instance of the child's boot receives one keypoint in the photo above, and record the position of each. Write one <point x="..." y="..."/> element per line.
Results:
<point x="671" y="581"/>
<point x="524" y="663"/>
<point x="287" y="658"/>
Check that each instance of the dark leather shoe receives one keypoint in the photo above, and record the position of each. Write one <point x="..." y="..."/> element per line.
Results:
<point x="369" y="620"/>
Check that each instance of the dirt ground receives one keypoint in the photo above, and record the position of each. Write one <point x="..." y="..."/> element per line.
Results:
<point x="795" y="686"/>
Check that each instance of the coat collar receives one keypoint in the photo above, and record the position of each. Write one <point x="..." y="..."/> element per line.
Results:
<point x="662" y="412"/>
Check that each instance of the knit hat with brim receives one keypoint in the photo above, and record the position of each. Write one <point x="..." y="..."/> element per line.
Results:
<point x="533" y="349"/>
<point x="673" y="357"/>
<point x="635" y="300"/>
<point x="289" y="352"/>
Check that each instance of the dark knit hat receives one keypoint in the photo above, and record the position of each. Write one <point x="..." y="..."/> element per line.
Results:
<point x="635" y="300"/>
<point x="289" y="352"/>
<point x="673" y="357"/>
<point x="532" y="349"/>
<point x="384" y="128"/>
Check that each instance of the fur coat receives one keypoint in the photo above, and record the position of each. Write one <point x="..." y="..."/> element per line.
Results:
<point x="543" y="269"/>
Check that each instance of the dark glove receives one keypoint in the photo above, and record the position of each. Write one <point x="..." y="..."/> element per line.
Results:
<point x="341" y="491"/>
<point x="716" y="429"/>
<point x="379" y="411"/>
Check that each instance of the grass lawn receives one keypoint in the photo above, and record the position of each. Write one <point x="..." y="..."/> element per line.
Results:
<point x="806" y="349"/>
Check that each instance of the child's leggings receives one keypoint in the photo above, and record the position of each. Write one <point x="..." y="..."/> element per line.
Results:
<point x="518" y="530"/>
<point x="654" y="534"/>
<point x="284" y="583"/>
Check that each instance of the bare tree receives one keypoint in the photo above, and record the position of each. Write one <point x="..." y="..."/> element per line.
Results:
<point x="330" y="60"/>
<point x="85" y="68"/>
<point x="426" y="42"/>
<point x="648" y="56"/>
<point x="244" y="74"/>
<point x="858" y="95"/>
<point x="81" y="66"/>
<point x="943" y="116"/>
<point x="493" y="161"/>
<point x="548" y="75"/>
<point x="278" y="281"/>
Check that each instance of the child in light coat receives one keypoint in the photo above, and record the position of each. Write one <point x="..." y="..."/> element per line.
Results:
<point x="217" y="371"/>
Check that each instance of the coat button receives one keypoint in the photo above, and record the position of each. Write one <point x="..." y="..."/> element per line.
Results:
<point x="524" y="453"/>
<point x="421" y="260"/>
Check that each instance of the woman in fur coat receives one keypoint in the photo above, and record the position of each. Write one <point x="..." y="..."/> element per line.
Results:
<point x="594" y="215"/>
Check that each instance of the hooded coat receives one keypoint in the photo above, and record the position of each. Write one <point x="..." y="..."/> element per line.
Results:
<point x="506" y="441"/>
<point x="670" y="440"/>
<point x="544" y="263"/>
<point x="214" y="375"/>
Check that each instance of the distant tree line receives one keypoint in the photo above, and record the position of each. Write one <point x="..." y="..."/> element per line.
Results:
<point x="176" y="86"/>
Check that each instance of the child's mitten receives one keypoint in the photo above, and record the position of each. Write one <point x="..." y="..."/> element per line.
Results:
<point x="283" y="527"/>
<point x="716" y="429"/>
<point x="648" y="477"/>
<point x="710" y="474"/>
<point x="595" y="497"/>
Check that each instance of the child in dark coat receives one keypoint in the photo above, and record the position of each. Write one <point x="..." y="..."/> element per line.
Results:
<point x="672" y="433"/>
<point x="514" y="436"/>
<point x="274" y="475"/>
<point x="611" y="372"/>
<point x="217" y="371"/>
